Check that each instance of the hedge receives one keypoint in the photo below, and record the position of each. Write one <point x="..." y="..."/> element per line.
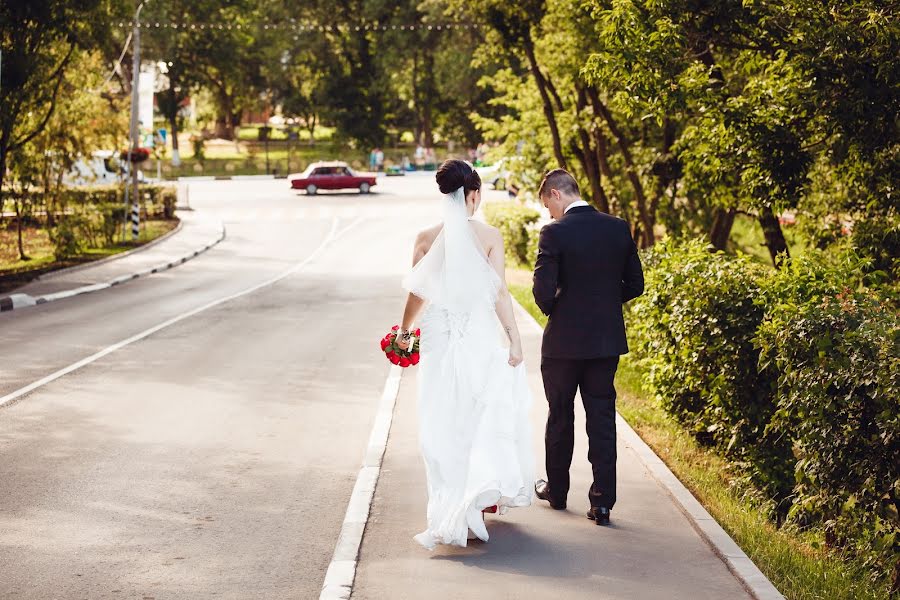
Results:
<point x="516" y="223"/>
<point x="695" y="326"/>
<point x="91" y="216"/>
<point x="794" y="374"/>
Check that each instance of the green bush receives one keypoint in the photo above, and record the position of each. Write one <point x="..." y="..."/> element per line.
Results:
<point x="158" y="201"/>
<point x="67" y="243"/>
<point x="794" y="373"/>
<point x="879" y="239"/>
<point x="112" y="219"/>
<point x="694" y="330"/>
<point x="838" y="359"/>
<point x="515" y="222"/>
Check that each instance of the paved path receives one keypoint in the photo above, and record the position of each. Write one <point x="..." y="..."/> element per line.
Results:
<point x="651" y="551"/>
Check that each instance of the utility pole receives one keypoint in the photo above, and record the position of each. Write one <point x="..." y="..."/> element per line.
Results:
<point x="134" y="134"/>
<point x="133" y="131"/>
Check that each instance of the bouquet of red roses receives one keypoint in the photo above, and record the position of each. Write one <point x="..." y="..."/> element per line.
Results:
<point x="395" y="354"/>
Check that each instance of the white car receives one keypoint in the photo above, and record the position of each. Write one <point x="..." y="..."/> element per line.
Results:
<point x="101" y="168"/>
<point x="497" y="174"/>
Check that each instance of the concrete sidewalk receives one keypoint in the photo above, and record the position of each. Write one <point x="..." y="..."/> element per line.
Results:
<point x="652" y="550"/>
<point x="196" y="235"/>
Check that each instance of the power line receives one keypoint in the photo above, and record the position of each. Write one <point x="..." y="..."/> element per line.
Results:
<point x="116" y="66"/>
<point x="298" y="27"/>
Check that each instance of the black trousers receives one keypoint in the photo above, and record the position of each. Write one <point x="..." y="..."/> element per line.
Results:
<point x="594" y="377"/>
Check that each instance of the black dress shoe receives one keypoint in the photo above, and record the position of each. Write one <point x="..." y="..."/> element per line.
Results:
<point x="599" y="515"/>
<point x="542" y="491"/>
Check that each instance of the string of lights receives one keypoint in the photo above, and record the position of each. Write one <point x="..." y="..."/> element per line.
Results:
<point x="299" y="27"/>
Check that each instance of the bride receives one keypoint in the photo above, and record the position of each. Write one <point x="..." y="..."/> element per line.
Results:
<point x="473" y="403"/>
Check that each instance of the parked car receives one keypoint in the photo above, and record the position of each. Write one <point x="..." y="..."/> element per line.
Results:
<point x="494" y="175"/>
<point x="331" y="176"/>
<point x="100" y="168"/>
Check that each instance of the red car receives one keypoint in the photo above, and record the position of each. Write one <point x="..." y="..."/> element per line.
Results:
<point x="331" y="176"/>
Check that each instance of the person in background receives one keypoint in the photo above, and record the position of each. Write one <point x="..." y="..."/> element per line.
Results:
<point x="379" y="159"/>
<point x="420" y="155"/>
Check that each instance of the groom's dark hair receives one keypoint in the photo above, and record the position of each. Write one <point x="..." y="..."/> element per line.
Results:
<point x="559" y="179"/>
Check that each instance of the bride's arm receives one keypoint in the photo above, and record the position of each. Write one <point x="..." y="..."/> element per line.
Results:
<point x="414" y="303"/>
<point x="497" y="258"/>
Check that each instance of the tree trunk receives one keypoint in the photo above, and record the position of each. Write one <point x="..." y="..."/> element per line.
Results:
<point x="428" y="95"/>
<point x="22" y="255"/>
<point x="548" y="106"/>
<point x="588" y="158"/>
<point x="3" y="153"/>
<point x="646" y="218"/>
<point x="723" y="221"/>
<point x="606" y="172"/>
<point x="311" y="127"/>
<point x="173" y="126"/>
<point x="775" y="241"/>
<point x="664" y="167"/>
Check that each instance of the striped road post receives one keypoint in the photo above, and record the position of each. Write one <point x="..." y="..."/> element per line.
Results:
<point x="135" y="220"/>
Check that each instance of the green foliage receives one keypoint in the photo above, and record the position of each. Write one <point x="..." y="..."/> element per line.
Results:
<point x="838" y="359"/>
<point x="695" y="326"/>
<point x="514" y="220"/>
<point x="878" y="238"/>
<point x="67" y="238"/>
<point x="793" y="373"/>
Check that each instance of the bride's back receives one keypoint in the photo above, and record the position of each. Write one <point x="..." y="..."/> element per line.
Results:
<point x="487" y="236"/>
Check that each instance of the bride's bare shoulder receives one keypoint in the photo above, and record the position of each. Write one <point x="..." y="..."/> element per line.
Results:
<point x="426" y="237"/>
<point x="487" y="233"/>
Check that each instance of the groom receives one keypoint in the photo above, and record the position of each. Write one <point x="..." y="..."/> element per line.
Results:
<point x="587" y="268"/>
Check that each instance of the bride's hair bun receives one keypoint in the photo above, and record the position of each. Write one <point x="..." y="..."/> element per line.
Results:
<point x="454" y="174"/>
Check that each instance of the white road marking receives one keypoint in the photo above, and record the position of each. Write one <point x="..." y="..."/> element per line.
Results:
<point x="341" y="572"/>
<point x="333" y="235"/>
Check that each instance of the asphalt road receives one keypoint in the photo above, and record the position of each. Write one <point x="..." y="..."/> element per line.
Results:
<point x="214" y="458"/>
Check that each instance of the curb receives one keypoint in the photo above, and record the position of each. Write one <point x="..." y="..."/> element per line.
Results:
<point x="738" y="563"/>
<point x="15" y="301"/>
<point x="341" y="573"/>
<point x="188" y="178"/>
<point x="103" y="261"/>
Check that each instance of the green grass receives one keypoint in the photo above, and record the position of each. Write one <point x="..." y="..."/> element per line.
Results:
<point x="249" y="158"/>
<point x="795" y="562"/>
<point x="39" y="248"/>
<point x="747" y="237"/>
<point x="251" y="133"/>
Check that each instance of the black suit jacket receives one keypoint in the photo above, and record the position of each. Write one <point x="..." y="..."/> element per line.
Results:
<point x="587" y="268"/>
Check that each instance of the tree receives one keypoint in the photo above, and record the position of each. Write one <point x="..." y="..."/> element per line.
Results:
<point x="40" y="39"/>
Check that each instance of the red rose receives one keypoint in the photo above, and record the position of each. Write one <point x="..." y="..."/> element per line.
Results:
<point x="395" y="328"/>
<point x="414" y="358"/>
<point x="385" y="344"/>
<point x="394" y="358"/>
<point x="418" y="332"/>
<point x="404" y="362"/>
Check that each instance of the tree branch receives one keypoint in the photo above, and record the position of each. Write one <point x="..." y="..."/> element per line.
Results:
<point x="40" y="127"/>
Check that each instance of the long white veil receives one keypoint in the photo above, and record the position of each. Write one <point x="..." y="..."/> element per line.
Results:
<point x="473" y="408"/>
<point x="454" y="274"/>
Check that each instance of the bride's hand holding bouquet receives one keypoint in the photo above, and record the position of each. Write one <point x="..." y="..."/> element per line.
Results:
<point x="401" y="347"/>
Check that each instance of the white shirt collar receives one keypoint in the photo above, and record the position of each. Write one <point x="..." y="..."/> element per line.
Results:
<point x="575" y="204"/>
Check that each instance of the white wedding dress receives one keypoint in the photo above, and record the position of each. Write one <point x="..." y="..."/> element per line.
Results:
<point x="474" y="431"/>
